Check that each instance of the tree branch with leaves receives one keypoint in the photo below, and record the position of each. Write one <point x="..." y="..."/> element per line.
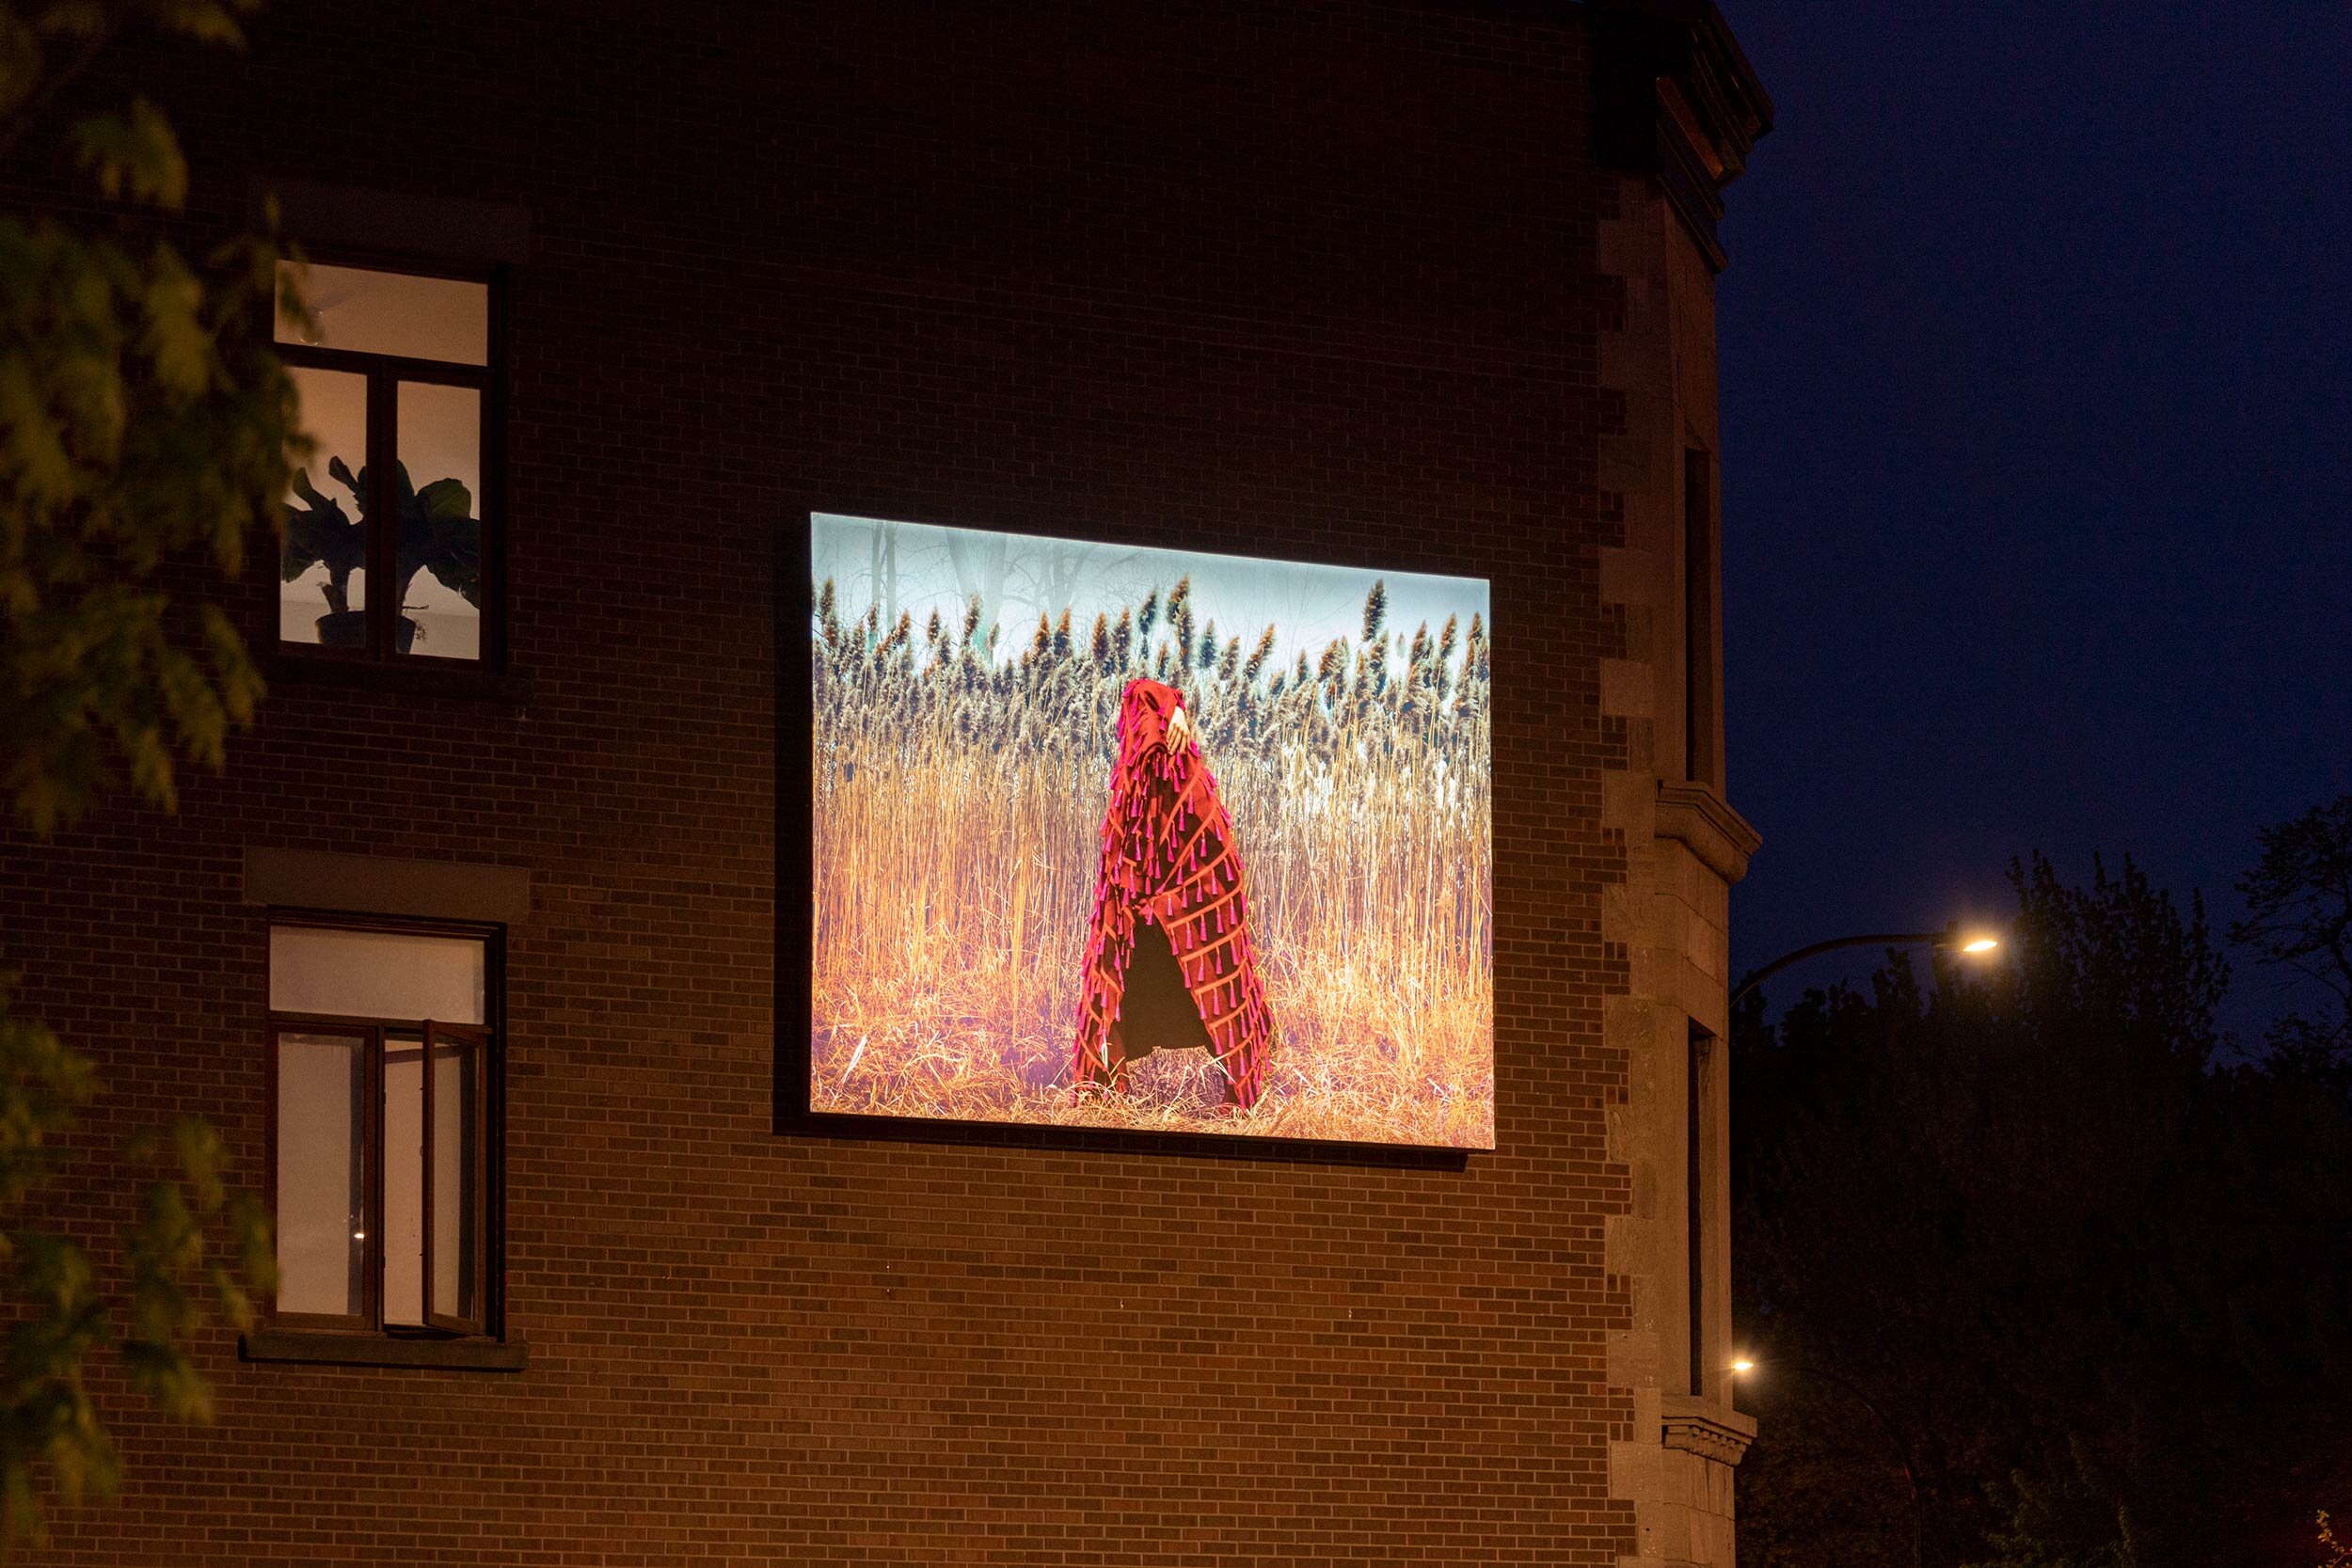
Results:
<point x="2298" y="913"/>
<point x="147" y="430"/>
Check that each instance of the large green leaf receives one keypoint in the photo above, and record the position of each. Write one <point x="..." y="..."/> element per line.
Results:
<point x="446" y="499"/>
<point x="439" y="533"/>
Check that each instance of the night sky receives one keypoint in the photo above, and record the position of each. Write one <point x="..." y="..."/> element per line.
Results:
<point x="2036" y="342"/>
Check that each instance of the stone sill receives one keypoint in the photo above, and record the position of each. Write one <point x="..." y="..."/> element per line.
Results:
<point x="1697" y="815"/>
<point x="322" y="1348"/>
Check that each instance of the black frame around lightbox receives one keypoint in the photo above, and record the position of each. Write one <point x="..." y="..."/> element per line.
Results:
<point x="794" y="734"/>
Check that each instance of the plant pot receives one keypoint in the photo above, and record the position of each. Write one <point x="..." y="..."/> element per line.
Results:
<point x="343" y="629"/>
<point x="348" y="628"/>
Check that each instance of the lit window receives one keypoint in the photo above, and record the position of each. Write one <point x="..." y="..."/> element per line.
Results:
<point x="395" y="387"/>
<point x="388" y="1079"/>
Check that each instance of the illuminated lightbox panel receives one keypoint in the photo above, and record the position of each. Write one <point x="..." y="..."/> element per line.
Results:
<point x="1133" y="838"/>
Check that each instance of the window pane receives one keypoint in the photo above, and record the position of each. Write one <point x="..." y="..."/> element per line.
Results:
<point x="456" y="1197"/>
<point x="322" y="594"/>
<point x="391" y="974"/>
<point x="392" y="312"/>
<point x="321" y="1196"/>
<point x="404" y="1179"/>
<point x="441" y="519"/>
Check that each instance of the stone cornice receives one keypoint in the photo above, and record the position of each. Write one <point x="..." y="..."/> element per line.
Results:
<point x="1702" y="1426"/>
<point x="1675" y="97"/>
<point x="1693" y="815"/>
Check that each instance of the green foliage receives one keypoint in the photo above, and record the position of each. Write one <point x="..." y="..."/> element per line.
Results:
<point x="2092" y="1270"/>
<point x="2339" y="1552"/>
<point x="178" y="1280"/>
<point x="144" y="420"/>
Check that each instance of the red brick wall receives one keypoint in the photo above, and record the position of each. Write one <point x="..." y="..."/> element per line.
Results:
<point x="1290" y="279"/>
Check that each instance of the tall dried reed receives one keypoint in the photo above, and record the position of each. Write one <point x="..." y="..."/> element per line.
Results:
<point x="958" y="797"/>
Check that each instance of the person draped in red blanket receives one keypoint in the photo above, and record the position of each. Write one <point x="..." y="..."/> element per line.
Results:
<point x="1169" y="959"/>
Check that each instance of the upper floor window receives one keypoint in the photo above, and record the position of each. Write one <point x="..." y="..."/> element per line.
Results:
<point x="383" y="1144"/>
<point x="391" y="529"/>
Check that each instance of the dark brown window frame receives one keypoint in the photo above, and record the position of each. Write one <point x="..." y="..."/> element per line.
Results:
<point x="490" y="1227"/>
<point x="384" y="373"/>
<point x="479" y="1036"/>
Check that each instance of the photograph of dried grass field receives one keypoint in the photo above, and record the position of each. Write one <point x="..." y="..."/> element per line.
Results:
<point x="1105" y="837"/>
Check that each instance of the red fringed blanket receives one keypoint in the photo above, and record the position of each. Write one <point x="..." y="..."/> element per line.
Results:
<point x="1170" y="962"/>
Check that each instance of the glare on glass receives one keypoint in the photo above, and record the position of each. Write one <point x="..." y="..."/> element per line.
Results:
<point x="404" y="1179"/>
<point x="457" y="1132"/>
<point x="322" y="593"/>
<point x="322" y="1193"/>
<point x="388" y="313"/>
<point x="390" y="975"/>
<point x="439" y="440"/>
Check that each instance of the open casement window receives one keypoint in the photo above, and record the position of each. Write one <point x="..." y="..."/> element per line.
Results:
<point x="384" y="1136"/>
<point x="456" y="1087"/>
<point x="390" y="550"/>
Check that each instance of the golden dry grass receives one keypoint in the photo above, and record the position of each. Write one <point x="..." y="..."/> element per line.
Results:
<point x="958" y="799"/>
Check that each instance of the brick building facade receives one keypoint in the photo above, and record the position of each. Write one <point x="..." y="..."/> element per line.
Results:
<point x="1423" y="285"/>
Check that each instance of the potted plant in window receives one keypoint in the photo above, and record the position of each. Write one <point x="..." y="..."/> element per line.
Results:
<point x="439" y="532"/>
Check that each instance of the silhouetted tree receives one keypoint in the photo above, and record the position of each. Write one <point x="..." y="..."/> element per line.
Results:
<point x="2298" y="917"/>
<point x="2094" y="1281"/>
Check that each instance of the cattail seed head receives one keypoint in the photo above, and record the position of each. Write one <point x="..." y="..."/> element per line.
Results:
<point x="1258" y="657"/>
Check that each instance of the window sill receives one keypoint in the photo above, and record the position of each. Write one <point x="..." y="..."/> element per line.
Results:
<point x="1698" y="814"/>
<point x="1705" y="1427"/>
<point x="451" y="680"/>
<point x="325" y="1348"/>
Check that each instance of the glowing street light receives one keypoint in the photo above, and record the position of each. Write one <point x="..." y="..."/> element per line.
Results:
<point x="1949" y="940"/>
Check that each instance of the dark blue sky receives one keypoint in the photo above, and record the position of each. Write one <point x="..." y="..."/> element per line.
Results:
<point x="2036" y="359"/>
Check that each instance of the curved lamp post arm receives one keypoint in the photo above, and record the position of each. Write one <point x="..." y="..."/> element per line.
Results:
<point x="1895" y="1434"/>
<point x="1895" y="938"/>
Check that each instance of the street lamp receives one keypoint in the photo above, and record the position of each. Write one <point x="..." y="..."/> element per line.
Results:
<point x="1949" y="939"/>
<point x="1894" y="1434"/>
<point x="1974" y="944"/>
